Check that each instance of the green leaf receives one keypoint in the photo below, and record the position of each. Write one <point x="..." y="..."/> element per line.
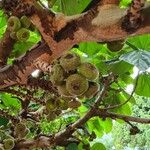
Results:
<point x="125" y="3"/>
<point x="132" y="99"/>
<point x="126" y="78"/>
<point x="94" y="125"/>
<point x="138" y="58"/>
<point x="142" y="42"/>
<point x="10" y="102"/>
<point x="51" y="3"/>
<point x="3" y="20"/>
<point x="106" y="124"/>
<point x="143" y="85"/>
<point x="83" y="109"/>
<point x="98" y="146"/>
<point x="120" y="67"/>
<point x="90" y="48"/>
<point x="71" y="7"/>
<point x="125" y="109"/>
<point x="21" y="47"/>
<point x="103" y="68"/>
<point x="80" y="146"/>
<point x="3" y="121"/>
<point x="72" y="146"/>
<point x="116" y="99"/>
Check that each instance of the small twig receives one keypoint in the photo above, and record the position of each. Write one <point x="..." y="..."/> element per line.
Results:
<point x="131" y="45"/>
<point x="99" y="97"/>
<point x="119" y="105"/>
<point x="130" y="123"/>
<point x="43" y="84"/>
<point x="38" y="112"/>
<point x="42" y="4"/>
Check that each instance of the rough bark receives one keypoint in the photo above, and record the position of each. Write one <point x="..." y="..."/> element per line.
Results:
<point x="60" y="33"/>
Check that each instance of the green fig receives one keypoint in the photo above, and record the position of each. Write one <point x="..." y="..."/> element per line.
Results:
<point x="9" y="144"/>
<point x="63" y="104"/>
<point x="25" y="21"/>
<point x="50" y="104"/>
<point x="20" y="128"/>
<point x="51" y="116"/>
<point x="70" y="61"/>
<point x="115" y="46"/>
<point x="92" y="90"/>
<point x="89" y="71"/>
<point x="23" y="34"/>
<point x="13" y="23"/>
<point x="63" y="91"/>
<point x="76" y="84"/>
<point x="57" y="75"/>
<point x="23" y="134"/>
<point x="13" y="35"/>
<point x="58" y="112"/>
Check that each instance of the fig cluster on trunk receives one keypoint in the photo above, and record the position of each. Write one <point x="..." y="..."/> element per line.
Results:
<point x="74" y="79"/>
<point x="19" y="28"/>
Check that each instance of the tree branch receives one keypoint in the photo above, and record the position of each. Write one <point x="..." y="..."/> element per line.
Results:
<point x="19" y="72"/>
<point x="43" y="84"/>
<point x="131" y="95"/>
<point x="104" y="114"/>
<point x="94" y="25"/>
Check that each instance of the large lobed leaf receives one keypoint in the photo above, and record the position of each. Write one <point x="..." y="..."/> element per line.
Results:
<point x="143" y="86"/>
<point x="98" y="146"/>
<point x="71" y="7"/>
<point x="139" y="58"/>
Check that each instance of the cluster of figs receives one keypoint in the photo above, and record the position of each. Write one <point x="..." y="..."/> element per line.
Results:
<point x="74" y="80"/>
<point x="19" y="28"/>
<point x="8" y="142"/>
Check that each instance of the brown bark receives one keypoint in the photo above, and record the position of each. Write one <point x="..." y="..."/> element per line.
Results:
<point x="6" y="46"/>
<point x="105" y="114"/>
<point x="19" y="72"/>
<point x="83" y="28"/>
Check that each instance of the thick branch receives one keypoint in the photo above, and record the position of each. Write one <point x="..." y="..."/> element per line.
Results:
<point x="19" y="72"/>
<point x="98" y="25"/>
<point x="61" y="137"/>
<point x="104" y="114"/>
<point x="43" y="84"/>
<point x="95" y="25"/>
